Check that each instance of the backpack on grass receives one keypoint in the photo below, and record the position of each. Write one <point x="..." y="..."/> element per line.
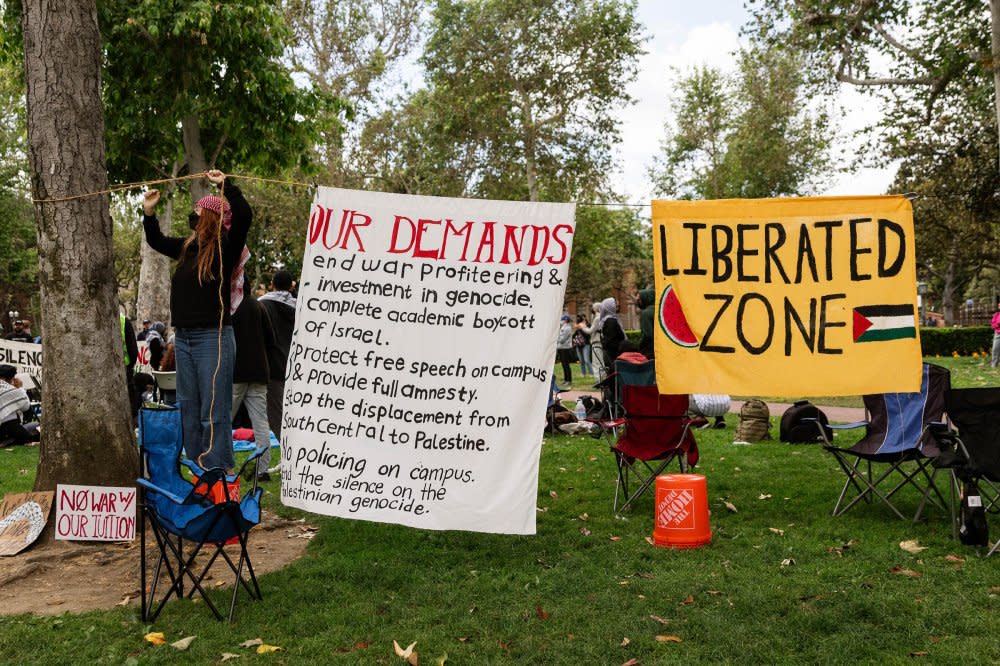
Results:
<point x="794" y="428"/>
<point x="755" y="421"/>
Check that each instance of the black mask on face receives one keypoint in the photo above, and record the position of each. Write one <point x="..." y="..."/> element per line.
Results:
<point x="192" y="219"/>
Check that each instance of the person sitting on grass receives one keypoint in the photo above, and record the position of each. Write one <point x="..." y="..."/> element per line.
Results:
<point x="13" y="403"/>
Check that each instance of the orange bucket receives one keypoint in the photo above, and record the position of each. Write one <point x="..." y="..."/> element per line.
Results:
<point x="681" y="511"/>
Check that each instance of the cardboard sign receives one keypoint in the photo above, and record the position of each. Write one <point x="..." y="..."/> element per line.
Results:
<point x="95" y="513"/>
<point x="142" y="363"/>
<point x="22" y="519"/>
<point x="420" y="368"/>
<point x="786" y="297"/>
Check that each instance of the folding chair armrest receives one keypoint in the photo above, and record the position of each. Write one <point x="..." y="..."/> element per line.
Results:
<point x="846" y="426"/>
<point x="258" y="452"/>
<point x="199" y="471"/>
<point x="148" y="485"/>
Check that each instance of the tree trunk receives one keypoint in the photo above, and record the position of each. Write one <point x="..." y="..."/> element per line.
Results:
<point x="194" y="154"/>
<point x="995" y="47"/>
<point x="153" y="298"/>
<point x="530" y="170"/>
<point x="87" y="429"/>
<point x="948" y="295"/>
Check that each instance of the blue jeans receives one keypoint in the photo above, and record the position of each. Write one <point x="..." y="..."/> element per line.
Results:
<point x="205" y="394"/>
<point x="583" y="353"/>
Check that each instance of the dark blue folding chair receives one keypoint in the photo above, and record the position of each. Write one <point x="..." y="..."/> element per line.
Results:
<point x="897" y="440"/>
<point x="181" y="512"/>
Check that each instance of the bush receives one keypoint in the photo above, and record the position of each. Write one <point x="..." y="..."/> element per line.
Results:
<point x="946" y="341"/>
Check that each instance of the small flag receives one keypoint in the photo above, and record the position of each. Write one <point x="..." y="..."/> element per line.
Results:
<point x="873" y="323"/>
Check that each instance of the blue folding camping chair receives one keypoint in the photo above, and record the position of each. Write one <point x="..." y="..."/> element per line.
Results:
<point x="190" y="515"/>
<point x="898" y="440"/>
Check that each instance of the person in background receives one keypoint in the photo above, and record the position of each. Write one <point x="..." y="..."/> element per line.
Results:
<point x="201" y="300"/>
<point x="21" y="333"/>
<point x="593" y="329"/>
<point x="581" y="342"/>
<point x="250" y="372"/>
<point x="645" y="301"/>
<point x="279" y="304"/>
<point x="156" y="344"/>
<point x="995" y="323"/>
<point x="145" y="330"/>
<point x="169" y="362"/>
<point x="13" y="403"/>
<point x="564" y="349"/>
<point x="612" y="333"/>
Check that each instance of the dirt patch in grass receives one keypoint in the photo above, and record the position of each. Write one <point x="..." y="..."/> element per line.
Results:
<point x="74" y="577"/>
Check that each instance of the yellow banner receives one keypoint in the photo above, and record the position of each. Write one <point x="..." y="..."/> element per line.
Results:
<point x="786" y="297"/>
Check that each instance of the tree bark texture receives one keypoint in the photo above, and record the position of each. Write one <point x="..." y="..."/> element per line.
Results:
<point x="87" y="435"/>
<point x="153" y="295"/>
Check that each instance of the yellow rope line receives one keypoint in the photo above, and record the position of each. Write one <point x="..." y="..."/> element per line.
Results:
<point x="146" y="183"/>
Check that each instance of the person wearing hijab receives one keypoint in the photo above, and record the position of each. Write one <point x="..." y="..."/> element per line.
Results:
<point x="596" y="346"/>
<point x="564" y="348"/>
<point x="612" y="333"/>
<point x="201" y="301"/>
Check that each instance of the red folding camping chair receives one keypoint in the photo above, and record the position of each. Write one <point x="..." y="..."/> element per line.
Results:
<point x="652" y="429"/>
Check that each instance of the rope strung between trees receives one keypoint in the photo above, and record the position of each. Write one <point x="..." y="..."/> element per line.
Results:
<point x="146" y="183"/>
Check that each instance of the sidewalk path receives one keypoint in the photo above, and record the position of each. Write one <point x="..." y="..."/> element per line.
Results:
<point x="835" y="414"/>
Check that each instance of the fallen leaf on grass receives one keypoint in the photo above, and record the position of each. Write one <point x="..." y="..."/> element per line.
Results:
<point x="615" y="538"/>
<point x="505" y="646"/>
<point x="729" y="505"/>
<point x="903" y="571"/>
<point x="764" y="496"/>
<point x="406" y="654"/>
<point x="182" y="644"/>
<point x="542" y="613"/>
<point x="583" y="516"/>
<point x="252" y="642"/>
<point x="584" y="531"/>
<point x="688" y="600"/>
<point x="553" y="494"/>
<point x="361" y="645"/>
<point x="155" y="637"/>
<point x="625" y="642"/>
<point x="669" y="639"/>
<point x="631" y="662"/>
<point x="661" y="620"/>
<point x="226" y="656"/>
<point x="264" y="648"/>
<point x="714" y="593"/>
<point x="954" y="558"/>
<point x="440" y="661"/>
<point x="649" y="540"/>
<point x="787" y="562"/>
<point x="919" y="654"/>
<point x="912" y="546"/>
<point x="775" y="530"/>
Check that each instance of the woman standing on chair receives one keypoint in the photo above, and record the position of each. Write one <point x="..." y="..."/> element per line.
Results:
<point x="200" y="309"/>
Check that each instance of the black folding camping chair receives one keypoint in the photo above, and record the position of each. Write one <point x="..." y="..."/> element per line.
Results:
<point x="897" y="449"/>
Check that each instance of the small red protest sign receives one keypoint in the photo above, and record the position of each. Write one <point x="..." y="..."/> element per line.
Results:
<point x="95" y="513"/>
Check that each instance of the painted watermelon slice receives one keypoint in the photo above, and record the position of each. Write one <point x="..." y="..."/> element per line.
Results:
<point x="672" y="320"/>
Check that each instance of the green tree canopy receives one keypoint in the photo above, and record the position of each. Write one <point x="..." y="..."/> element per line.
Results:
<point x="749" y="135"/>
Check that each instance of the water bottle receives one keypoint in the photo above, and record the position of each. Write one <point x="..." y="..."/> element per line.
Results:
<point x="579" y="411"/>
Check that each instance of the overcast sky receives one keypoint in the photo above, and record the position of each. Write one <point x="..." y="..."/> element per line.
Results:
<point x="684" y="34"/>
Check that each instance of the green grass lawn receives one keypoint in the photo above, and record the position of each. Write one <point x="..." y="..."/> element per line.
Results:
<point x="589" y="588"/>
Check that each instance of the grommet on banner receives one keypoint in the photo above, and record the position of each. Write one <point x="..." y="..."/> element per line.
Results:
<point x="681" y="511"/>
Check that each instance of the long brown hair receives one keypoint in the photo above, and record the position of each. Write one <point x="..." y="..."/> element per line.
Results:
<point x="207" y="233"/>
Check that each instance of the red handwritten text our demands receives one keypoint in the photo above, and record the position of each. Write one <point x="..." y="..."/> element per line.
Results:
<point x="480" y="242"/>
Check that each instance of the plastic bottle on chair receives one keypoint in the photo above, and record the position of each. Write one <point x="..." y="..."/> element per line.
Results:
<point x="579" y="411"/>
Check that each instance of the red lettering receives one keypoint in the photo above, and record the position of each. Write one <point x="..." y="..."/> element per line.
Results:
<point x="393" y="248"/>
<point x="418" y="251"/>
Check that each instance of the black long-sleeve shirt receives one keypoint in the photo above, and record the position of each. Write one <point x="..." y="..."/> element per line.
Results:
<point x="194" y="304"/>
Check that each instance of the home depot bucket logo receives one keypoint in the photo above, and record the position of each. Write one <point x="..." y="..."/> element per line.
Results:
<point x="675" y="509"/>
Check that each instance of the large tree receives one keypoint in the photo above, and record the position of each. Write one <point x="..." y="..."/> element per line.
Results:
<point x="919" y="57"/>
<point x="751" y="134"/>
<point x="528" y="91"/>
<point x="87" y="438"/>
<point x="346" y="48"/>
<point x="190" y="85"/>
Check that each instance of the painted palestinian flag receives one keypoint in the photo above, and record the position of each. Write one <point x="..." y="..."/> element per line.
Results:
<point x="874" y="323"/>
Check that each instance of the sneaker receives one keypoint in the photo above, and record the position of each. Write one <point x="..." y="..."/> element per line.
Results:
<point x="719" y="425"/>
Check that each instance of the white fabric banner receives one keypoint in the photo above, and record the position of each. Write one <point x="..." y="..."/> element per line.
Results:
<point x="421" y="363"/>
<point x="25" y="356"/>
